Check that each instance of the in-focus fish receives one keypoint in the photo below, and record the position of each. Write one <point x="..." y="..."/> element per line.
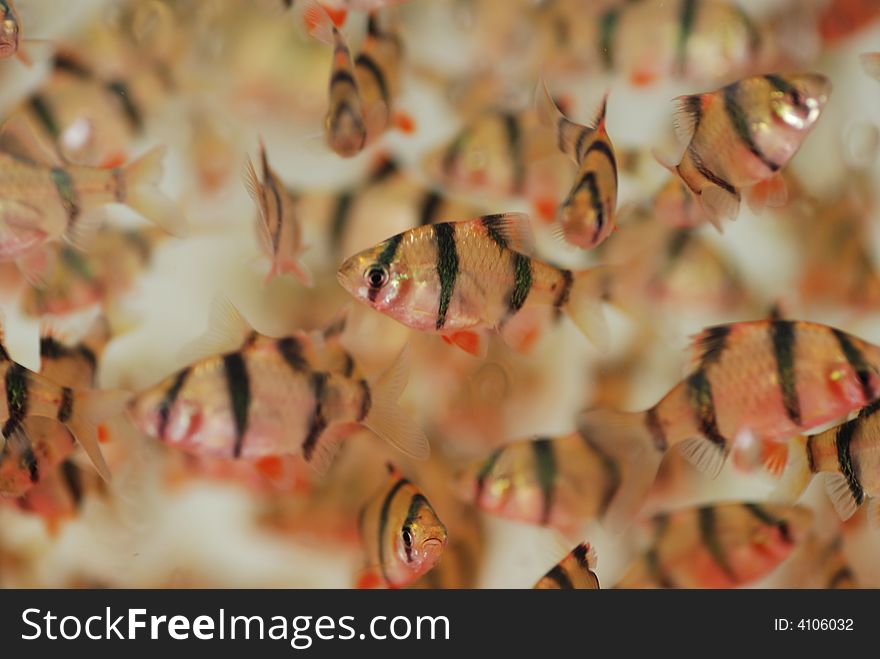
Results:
<point x="10" y="32"/>
<point x="718" y="546"/>
<point x="402" y="536"/>
<point x="460" y="279"/>
<point x="740" y="136"/>
<point x="550" y="481"/>
<point x="587" y="215"/>
<point x="76" y="413"/>
<point x="278" y="226"/>
<point x="575" y="571"/>
<point x="267" y="399"/>
<point x="766" y="379"/>
<point x="848" y="456"/>
<point x="41" y="199"/>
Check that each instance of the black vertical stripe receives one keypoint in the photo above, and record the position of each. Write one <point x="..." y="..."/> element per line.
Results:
<point x="366" y="62"/>
<point x="430" y="204"/>
<point x="857" y="362"/>
<point x="700" y="395"/>
<point x="291" y="351"/>
<point x="558" y="576"/>
<point x="384" y="260"/>
<point x="317" y="422"/>
<point x="73" y="478"/>
<point x="762" y="514"/>
<point x="132" y="112"/>
<point x="811" y="461"/>
<point x="545" y="472"/>
<point x="366" y="400"/>
<point x="711" y="176"/>
<point x="601" y="146"/>
<point x="589" y="184"/>
<point x="581" y="555"/>
<point x="341" y="213"/>
<point x="843" y="439"/>
<point x="342" y="76"/>
<point x="784" y="337"/>
<point x="40" y="107"/>
<point x="239" y="387"/>
<point x="384" y="512"/>
<point x="740" y="123"/>
<point x="610" y="467"/>
<point x="565" y="290"/>
<point x="522" y="283"/>
<point x="168" y="401"/>
<point x="65" y="408"/>
<point x="514" y="145"/>
<point x="447" y="267"/>
<point x="711" y="344"/>
<point x="66" y="193"/>
<point x="708" y="524"/>
<point x="17" y="392"/>
<point x="779" y="83"/>
<point x="655" y="428"/>
<point x="492" y="225"/>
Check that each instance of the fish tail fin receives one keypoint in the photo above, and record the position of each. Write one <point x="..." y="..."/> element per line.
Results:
<point x="387" y="419"/>
<point x="796" y="474"/>
<point x="584" y="305"/>
<point x="320" y="23"/>
<point x="628" y="438"/>
<point x="142" y="193"/>
<point x="90" y="408"/>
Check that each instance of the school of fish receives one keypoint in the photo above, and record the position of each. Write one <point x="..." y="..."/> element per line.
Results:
<point x="376" y="286"/>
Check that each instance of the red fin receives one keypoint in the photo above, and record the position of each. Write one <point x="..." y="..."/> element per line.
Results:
<point x="337" y="15"/>
<point x="404" y="122"/>
<point x="545" y="208"/>
<point x="104" y="435"/>
<point x="470" y="342"/>
<point x="270" y="467"/>
<point x="369" y="580"/>
<point x="113" y="160"/>
<point x="774" y="456"/>
<point x="643" y="78"/>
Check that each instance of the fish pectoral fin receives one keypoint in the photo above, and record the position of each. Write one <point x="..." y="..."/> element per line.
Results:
<point x="771" y="192"/>
<point x="719" y="205"/>
<point x="329" y="443"/>
<point x="705" y="455"/>
<point x="369" y="578"/>
<point x="841" y="495"/>
<point x="227" y="331"/>
<point x="19" y="138"/>
<point x="523" y="330"/>
<point x="473" y="343"/>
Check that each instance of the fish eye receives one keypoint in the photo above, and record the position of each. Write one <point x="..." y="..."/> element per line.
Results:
<point x="376" y="276"/>
<point x="796" y="98"/>
<point x="407" y="537"/>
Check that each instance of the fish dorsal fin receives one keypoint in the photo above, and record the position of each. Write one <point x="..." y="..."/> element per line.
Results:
<point x="707" y="345"/>
<point x="227" y="331"/>
<point x="599" y="121"/>
<point x="511" y="230"/>
<point x="689" y="111"/>
<point x="841" y="495"/>
<point x="19" y="138"/>
<point x="705" y="455"/>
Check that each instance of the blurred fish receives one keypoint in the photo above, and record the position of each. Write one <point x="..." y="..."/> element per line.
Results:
<point x="841" y="19"/>
<point x="766" y="379"/>
<point x="575" y="571"/>
<point x="362" y="89"/>
<point x="39" y="433"/>
<point x="587" y="215"/>
<point x="460" y="279"/>
<point x="278" y="226"/>
<point x="718" y="546"/>
<point x="77" y="280"/>
<point x="739" y="137"/>
<point x="847" y="457"/>
<point x="42" y="200"/>
<point x="402" y="536"/>
<point x="559" y="482"/>
<point x="267" y="399"/>
<point x="871" y="64"/>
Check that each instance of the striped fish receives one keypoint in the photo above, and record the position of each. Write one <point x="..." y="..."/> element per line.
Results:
<point x="270" y="398"/>
<point x="75" y="413"/>
<point x="719" y="546"/>
<point x="575" y="571"/>
<point x="461" y="279"/>
<point x="740" y="136"/>
<point x="278" y="226"/>
<point x="402" y="536"/>
<point x="42" y="199"/>
<point x="587" y="215"/>
<point x="848" y="456"/>
<point x="768" y="379"/>
<point x="362" y="89"/>
<point x="102" y="276"/>
<point x="559" y="482"/>
<point x="74" y="365"/>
